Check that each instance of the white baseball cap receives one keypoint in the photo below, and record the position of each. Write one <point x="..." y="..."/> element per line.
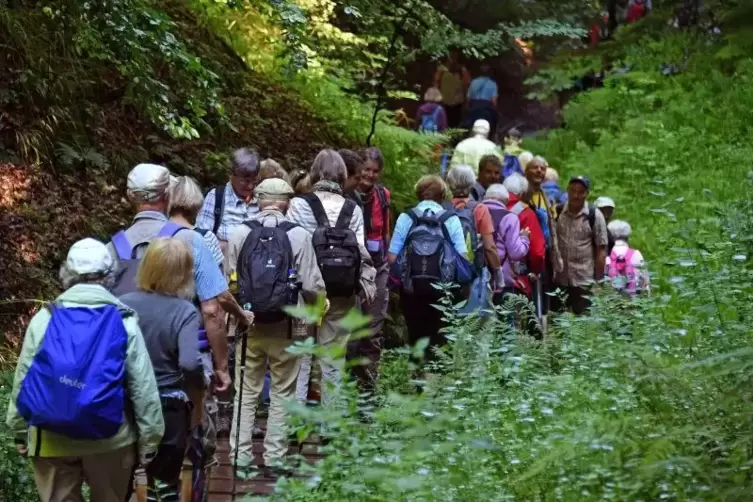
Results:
<point x="604" y="202"/>
<point x="148" y="182"/>
<point x="89" y="256"/>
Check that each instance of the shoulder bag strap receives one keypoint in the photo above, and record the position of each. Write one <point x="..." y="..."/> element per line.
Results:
<point x="122" y="247"/>
<point x="219" y="206"/>
<point x="317" y="208"/>
<point x="169" y="229"/>
<point x="346" y="214"/>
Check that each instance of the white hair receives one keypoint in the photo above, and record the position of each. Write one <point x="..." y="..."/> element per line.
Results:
<point x="524" y="158"/>
<point x="68" y="278"/>
<point x="460" y="180"/>
<point x="497" y="191"/>
<point x="619" y="229"/>
<point x="516" y="184"/>
<point x="481" y="127"/>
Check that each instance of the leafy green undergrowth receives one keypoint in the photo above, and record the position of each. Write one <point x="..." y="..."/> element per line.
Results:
<point x="16" y="477"/>
<point x="643" y="400"/>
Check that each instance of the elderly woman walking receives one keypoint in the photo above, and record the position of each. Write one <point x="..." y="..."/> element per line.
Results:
<point x="170" y="325"/>
<point x="512" y="242"/>
<point x="479" y="233"/>
<point x="422" y="319"/>
<point x="93" y="340"/>
<point x="326" y="209"/>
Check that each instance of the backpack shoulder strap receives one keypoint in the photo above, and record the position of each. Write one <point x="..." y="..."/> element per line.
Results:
<point x="471" y="204"/>
<point x="287" y="226"/>
<point x="591" y="217"/>
<point x="317" y="208"/>
<point x="169" y="229"/>
<point x="253" y="224"/>
<point x="122" y="247"/>
<point x="219" y="207"/>
<point x="518" y="208"/>
<point x="346" y="214"/>
<point x="435" y="113"/>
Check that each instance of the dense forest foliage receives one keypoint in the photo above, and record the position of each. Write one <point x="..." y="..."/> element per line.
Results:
<point x="642" y="400"/>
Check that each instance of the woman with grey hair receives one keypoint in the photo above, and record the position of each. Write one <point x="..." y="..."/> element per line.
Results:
<point x="512" y="242"/>
<point x="517" y="186"/>
<point x="104" y="461"/>
<point x="323" y="208"/>
<point x="185" y="201"/>
<point x="476" y="219"/>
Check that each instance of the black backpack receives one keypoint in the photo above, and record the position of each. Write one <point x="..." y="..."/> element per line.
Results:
<point x="125" y="280"/>
<point x="266" y="272"/>
<point x="337" y="249"/>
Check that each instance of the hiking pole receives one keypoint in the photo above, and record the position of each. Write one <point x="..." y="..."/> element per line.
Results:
<point x="539" y="303"/>
<point x="242" y="381"/>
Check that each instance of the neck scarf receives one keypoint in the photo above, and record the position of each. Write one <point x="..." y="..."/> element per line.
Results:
<point x="327" y="186"/>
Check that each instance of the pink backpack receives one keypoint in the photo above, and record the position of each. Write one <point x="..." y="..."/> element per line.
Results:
<point x="622" y="272"/>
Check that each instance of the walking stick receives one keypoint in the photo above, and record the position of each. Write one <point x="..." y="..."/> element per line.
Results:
<point x="241" y="380"/>
<point x="540" y="304"/>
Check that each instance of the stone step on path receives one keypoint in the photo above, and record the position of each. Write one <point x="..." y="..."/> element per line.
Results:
<point x="221" y="482"/>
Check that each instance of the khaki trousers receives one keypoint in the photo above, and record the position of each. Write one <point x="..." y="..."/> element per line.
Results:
<point x="283" y="368"/>
<point x="59" y="479"/>
<point x="333" y="337"/>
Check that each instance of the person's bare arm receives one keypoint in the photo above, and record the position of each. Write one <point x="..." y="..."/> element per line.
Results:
<point x="230" y="305"/>
<point x="214" y="324"/>
<point x="490" y="252"/>
<point x="600" y="263"/>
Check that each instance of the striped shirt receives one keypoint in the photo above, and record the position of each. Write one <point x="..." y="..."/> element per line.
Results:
<point x="234" y="212"/>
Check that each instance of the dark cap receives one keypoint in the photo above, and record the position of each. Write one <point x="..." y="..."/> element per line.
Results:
<point x="581" y="179"/>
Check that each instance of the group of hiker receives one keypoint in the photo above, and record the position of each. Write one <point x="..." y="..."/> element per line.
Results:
<point x="131" y="365"/>
<point x="455" y="101"/>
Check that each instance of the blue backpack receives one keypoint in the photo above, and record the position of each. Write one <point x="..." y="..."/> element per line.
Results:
<point x="428" y="257"/>
<point x="510" y="165"/>
<point x="430" y="121"/>
<point x="76" y="383"/>
<point x="125" y="279"/>
<point x="468" y="222"/>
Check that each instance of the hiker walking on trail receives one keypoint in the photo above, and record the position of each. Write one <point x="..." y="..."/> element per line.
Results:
<point x="470" y="151"/>
<point x="376" y="218"/>
<point x="606" y="206"/>
<point x="478" y="228"/>
<point x="582" y="237"/>
<point x="169" y="323"/>
<point x="93" y="340"/>
<point x="489" y="172"/>
<point x="228" y="206"/>
<point x="185" y="203"/>
<point x="452" y="79"/>
<point x="517" y="186"/>
<point x="337" y="226"/>
<point x="292" y="278"/>
<point x="482" y="100"/>
<point x="546" y="213"/>
<point x="427" y="228"/>
<point x="148" y="191"/>
<point x="511" y="241"/>
<point x="431" y="116"/>
<point x="625" y="266"/>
